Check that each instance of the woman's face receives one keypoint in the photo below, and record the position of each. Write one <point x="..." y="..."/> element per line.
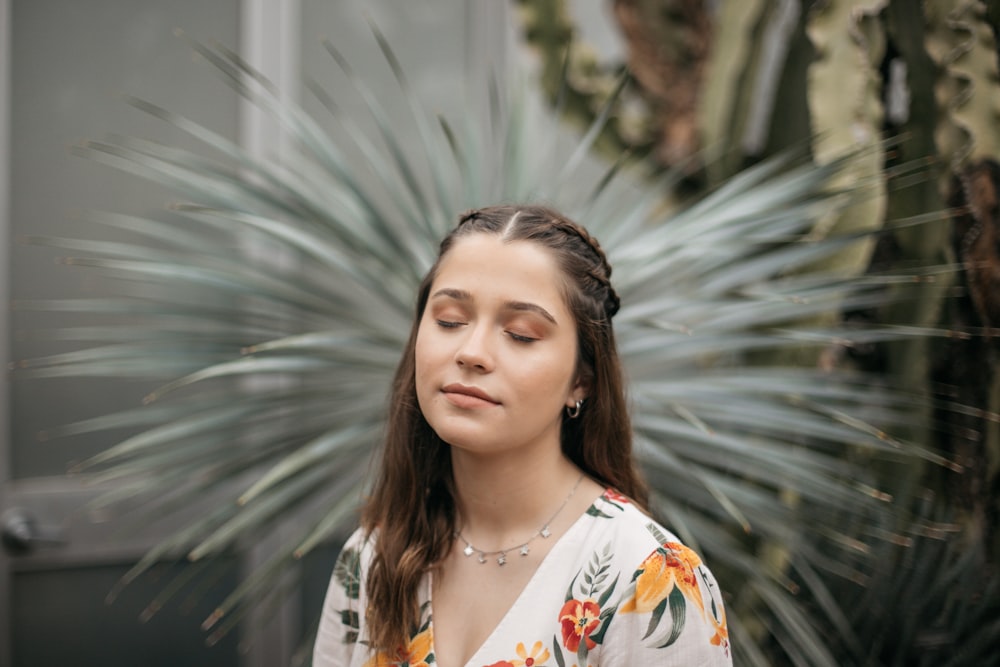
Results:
<point x="496" y="347"/>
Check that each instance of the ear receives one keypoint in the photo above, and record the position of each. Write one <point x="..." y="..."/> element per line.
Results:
<point x="579" y="392"/>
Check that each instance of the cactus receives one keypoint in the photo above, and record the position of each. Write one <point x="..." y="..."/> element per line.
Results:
<point x="916" y="86"/>
<point x="843" y="92"/>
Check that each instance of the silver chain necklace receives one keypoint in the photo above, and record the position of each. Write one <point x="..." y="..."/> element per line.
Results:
<point x="522" y="548"/>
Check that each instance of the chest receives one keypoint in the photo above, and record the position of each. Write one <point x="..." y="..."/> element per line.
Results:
<point x="470" y="600"/>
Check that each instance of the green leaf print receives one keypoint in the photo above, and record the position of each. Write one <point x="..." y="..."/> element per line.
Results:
<point x="606" y="595"/>
<point x="593" y="511"/>
<point x="658" y="534"/>
<point x="349" y="617"/>
<point x="347" y="572"/>
<point x="596" y="572"/>
<point x="557" y="652"/>
<point x="598" y="636"/>
<point x="655" y="619"/>
<point x="677" y="612"/>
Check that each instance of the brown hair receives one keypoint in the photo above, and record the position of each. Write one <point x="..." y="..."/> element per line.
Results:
<point x="412" y="503"/>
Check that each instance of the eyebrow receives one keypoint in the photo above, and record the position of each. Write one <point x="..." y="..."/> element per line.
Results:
<point x="527" y="306"/>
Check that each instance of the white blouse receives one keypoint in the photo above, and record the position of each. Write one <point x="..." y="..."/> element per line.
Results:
<point x="616" y="590"/>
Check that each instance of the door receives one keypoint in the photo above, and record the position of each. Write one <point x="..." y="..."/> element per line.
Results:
<point x="65" y="64"/>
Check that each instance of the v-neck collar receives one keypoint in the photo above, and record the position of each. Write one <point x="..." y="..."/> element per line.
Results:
<point x="547" y="561"/>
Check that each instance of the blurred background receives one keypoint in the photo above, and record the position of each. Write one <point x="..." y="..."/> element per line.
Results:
<point x="67" y="65"/>
<point x="715" y="87"/>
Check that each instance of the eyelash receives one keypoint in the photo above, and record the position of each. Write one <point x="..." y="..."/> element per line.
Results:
<point x="521" y="339"/>
<point x="518" y="338"/>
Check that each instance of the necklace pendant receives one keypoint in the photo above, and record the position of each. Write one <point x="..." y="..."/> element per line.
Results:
<point x="481" y="557"/>
<point x="545" y="532"/>
<point x="524" y="549"/>
<point x="502" y="559"/>
<point x="468" y="550"/>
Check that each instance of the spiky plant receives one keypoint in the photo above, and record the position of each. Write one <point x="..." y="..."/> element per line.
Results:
<point x="274" y="375"/>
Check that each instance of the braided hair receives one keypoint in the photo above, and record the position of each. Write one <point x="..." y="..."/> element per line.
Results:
<point x="539" y="223"/>
<point x="412" y="502"/>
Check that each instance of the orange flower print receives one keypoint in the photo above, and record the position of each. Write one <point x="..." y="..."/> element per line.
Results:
<point x="672" y="565"/>
<point x="579" y="619"/>
<point x="721" y="636"/>
<point x="413" y="655"/>
<point x="539" y="654"/>
<point x="502" y="663"/>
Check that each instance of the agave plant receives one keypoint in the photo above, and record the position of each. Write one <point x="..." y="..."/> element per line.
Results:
<point x="274" y="375"/>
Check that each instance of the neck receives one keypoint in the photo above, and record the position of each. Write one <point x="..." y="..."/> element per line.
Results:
<point x="504" y="500"/>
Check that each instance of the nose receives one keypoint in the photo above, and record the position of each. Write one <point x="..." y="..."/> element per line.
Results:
<point x="475" y="352"/>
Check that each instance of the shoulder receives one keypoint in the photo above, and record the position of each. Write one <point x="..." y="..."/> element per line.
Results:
<point x="342" y="618"/>
<point x="352" y="564"/>
<point x="669" y="602"/>
<point x="632" y="533"/>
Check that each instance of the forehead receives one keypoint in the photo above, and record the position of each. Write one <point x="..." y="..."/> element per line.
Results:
<point x="487" y="264"/>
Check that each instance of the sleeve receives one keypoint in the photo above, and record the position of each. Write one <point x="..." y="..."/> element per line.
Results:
<point x="341" y="619"/>
<point x="671" y="613"/>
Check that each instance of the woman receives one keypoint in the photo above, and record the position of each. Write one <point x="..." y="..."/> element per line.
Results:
<point x="506" y="525"/>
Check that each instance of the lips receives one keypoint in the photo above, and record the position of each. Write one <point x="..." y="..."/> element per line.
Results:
<point x="468" y="397"/>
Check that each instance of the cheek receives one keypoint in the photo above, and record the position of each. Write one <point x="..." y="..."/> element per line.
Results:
<point x="551" y="377"/>
<point x="428" y="353"/>
<point x="420" y="373"/>
<point x="423" y="348"/>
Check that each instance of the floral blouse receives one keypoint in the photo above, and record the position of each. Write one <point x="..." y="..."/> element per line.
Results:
<point x="616" y="590"/>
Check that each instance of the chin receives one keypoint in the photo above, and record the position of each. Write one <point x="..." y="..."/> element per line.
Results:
<point x="468" y="439"/>
<point x="461" y="438"/>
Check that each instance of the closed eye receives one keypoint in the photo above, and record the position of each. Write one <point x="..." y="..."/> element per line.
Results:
<point x="447" y="324"/>
<point x="521" y="338"/>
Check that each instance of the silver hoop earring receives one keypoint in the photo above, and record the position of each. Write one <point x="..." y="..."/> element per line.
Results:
<point x="574" y="412"/>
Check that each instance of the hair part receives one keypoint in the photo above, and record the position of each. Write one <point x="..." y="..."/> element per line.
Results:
<point x="412" y="505"/>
